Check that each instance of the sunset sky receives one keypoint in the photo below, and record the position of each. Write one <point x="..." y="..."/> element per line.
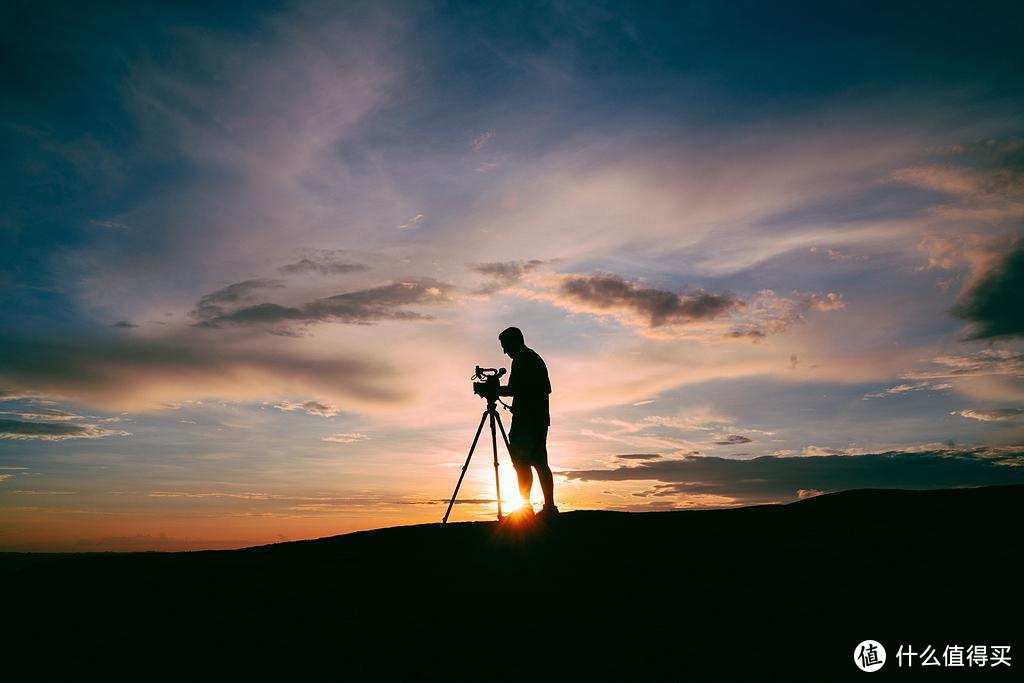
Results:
<point x="250" y="256"/>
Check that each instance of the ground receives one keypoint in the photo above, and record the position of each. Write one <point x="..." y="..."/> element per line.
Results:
<point x="774" y="588"/>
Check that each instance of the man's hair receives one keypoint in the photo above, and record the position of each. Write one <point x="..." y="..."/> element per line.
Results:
<point x="512" y="334"/>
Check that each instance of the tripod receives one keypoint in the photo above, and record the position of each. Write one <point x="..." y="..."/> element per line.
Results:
<point x="493" y="413"/>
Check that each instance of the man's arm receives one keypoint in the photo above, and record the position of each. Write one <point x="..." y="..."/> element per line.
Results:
<point x="510" y="388"/>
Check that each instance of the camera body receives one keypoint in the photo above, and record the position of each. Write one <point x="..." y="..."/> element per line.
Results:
<point x="486" y="382"/>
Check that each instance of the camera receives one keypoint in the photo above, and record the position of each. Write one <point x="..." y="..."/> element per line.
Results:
<point x="486" y="382"/>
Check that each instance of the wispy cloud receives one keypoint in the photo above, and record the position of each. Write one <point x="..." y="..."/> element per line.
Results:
<point x="900" y="389"/>
<point x="412" y="222"/>
<point x="323" y="265"/>
<point x="481" y="141"/>
<point x="991" y="415"/>
<point x="140" y="373"/>
<point x="345" y="437"/>
<point x="311" y="407"/>
<point x="18" y="430"/>
<point x="385" y="302"/>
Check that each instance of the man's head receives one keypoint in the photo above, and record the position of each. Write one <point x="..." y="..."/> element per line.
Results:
<point x="512" y="341"/>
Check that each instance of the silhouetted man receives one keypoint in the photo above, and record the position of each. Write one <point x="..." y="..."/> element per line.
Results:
<point x="529" y="386"/>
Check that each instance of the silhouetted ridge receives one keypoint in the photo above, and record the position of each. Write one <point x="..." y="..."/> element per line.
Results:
<point x="875" y="564"/>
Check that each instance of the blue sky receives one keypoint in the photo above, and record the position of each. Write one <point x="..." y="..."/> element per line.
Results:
<point x="250" y="256"/>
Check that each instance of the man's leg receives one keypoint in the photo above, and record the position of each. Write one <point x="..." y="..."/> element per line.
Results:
<point x="547" y="483"/>
<point x="525" y="476"/>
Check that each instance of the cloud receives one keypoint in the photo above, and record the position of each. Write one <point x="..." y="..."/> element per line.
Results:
<point x="813" y="451"/>
<point x="949" y="179"/>
<point x="209" y="494"/>
<point x="18" y="430"/>
<point x="777" y="479"/>
<point x="322" y="265"/>
<point x="994" y="415"/>
<point x="360" y="307"/>
<point x="609" y="294"/>
<point x="310" y="407"/>
<point x="211" y="305"/>
<point x="51" y="414"/>
<point x="829" y="302"/>
<point x="733" y="439"/>
<point x="992" y="361"/>
<point x="151" y="373"/>
<point x="994" y="267"/>
<point x="412" y="222"/>
<point x="345" y="437"/>
<point x="110" y="225"/>
<point x="837" y="256"/>
<point x="907" y="388"/>
<point x="992" y="304"/>
<point x="988" y="189"/>
<point x="4" y="477"/>
<point x="480" y="141"/>
<point x="33" y="492"/>
<point x="124" y="324"/>
<point x="768" y="313"/>
<point x="638" y="456"/>
<point x="7" y="395"/>
<point x="504" y="273"/>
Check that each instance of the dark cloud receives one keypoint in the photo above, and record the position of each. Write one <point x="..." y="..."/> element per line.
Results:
<point x="504" y="273"/>
<point x="52" y="431"/>
<point x="124" y="324"/>
<point x="321" y="266"/>
<point x="639" y="456"/>
<point x="212" y="305"/>
<point x="994" y="305"/>
<point x="749" y="332"/>
<point x="771" y="478"/>
<point x="656" y="307"/>
<point x="37" y="413"/>
<point x="363" y="306"/>
<point x="508" y="271"/>
<point x="733" y="439"/>
<point x="127" y="372"/>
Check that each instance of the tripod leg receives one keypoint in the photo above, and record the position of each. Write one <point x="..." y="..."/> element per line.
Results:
<point x="466" y="466"/>
<point x="494" y="447"/>
<point x="504" y="437"/>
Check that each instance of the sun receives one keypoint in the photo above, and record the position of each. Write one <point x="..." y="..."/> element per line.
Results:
<point x="510" y="498"/>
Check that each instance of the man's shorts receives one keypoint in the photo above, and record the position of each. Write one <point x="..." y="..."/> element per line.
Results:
<point x="528" y="445"/>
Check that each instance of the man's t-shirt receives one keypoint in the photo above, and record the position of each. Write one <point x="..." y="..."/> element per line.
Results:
<point x="530" y="386"/>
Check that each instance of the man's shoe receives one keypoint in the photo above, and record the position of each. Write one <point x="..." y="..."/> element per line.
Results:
<point x="548" y="511"/>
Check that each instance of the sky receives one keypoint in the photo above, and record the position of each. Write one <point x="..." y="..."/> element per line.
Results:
<point x="250" y="255"/>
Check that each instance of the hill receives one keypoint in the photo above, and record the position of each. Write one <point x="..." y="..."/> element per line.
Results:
<point x="804" y="582"/>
